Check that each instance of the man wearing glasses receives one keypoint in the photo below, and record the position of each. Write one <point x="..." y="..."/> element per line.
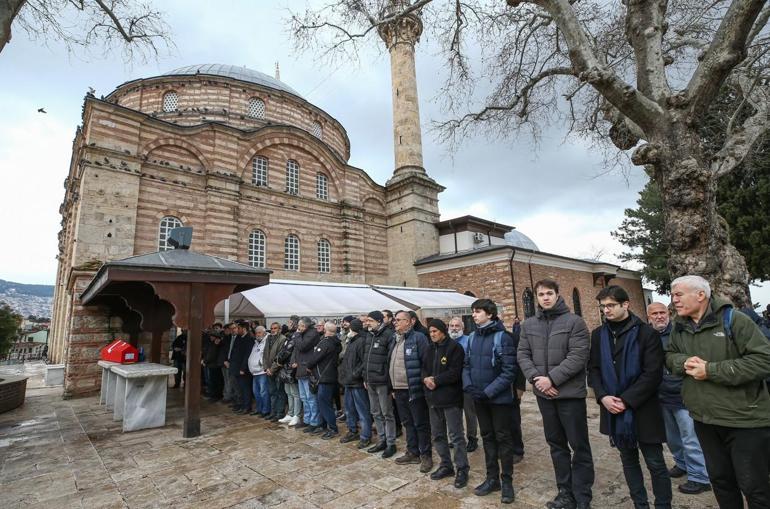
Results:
<point x="625" y="370"/>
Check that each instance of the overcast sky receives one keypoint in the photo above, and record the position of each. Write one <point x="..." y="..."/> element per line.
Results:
<point x="551" y="193"/>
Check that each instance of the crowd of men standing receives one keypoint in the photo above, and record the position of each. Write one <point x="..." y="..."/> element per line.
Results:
<point x="696" y="382"/>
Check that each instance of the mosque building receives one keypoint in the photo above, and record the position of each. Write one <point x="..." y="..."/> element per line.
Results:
<point x="262" y="176"/>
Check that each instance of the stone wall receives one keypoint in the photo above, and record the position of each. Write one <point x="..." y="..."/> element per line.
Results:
<point x="12" y="392"/>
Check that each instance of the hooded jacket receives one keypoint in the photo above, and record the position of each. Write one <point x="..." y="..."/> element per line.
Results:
<point x="376" y="356"/>
<point x="323" y="359"/>
<point x="733" y="393"/>
<point x="351" y="368"/>
<point x="303" y="350"/>
<point x="555" y="343"/>
<point x="478" y="370"/>
<point x="444" y="362"/>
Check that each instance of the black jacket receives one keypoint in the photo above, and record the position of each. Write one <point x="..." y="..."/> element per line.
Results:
<point x="323" y="360"/>
<point x="211" y="351"/>
<point x="239" y="358"/>
<point x="444" y="362"/>
<point x="642" y="395"/>
<point x="376" y="358"/>
<point x="670" y="390"/>
<point x="351" y="369"/>
<point x="179" y="342"/>
<point x="304" y="344"/>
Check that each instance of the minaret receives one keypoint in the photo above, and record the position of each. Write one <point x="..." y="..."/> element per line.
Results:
<point x="411" y="195"/>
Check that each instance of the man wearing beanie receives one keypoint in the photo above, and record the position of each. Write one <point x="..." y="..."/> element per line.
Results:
<point x="442" y="371"/>
<point x="344" y="329"/>
<point x="351" y="377"/>
<point x="375" y="371"/>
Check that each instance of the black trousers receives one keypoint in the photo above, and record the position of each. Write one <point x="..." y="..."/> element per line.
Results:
<point x="516" y="435"/>
<point x="416" y="420"/>
<point x="736" y="460"/>
<point x="495" y="423"/>
<point x="216" y="381"/>
<point x="565" y="426"/>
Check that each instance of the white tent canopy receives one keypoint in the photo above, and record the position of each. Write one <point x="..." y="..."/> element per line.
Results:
<point x="283" y="298"/>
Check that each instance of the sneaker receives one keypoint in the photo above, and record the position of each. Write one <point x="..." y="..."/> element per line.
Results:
<point x="563" y="500"/>
<point x="294" y="421"/>
<point x="275" y="418"/>
<point x="473" y="444"/>
<point x="426" y="463"/>
<point x="286" y="419"/>
<point x="408" y="458"/>
<point x="301" y="425"/>
<point x="318" y="430"/>
<point x="349" y="437"/>
<point x="507" y="496"/>
<point x="379" y="447"/>
<point x="442" y="472"/>
<point x="693" y="488"/>
<point x="461" y="480"/>
<point x="487" y="487"/>
<point x="675" y="472"/>
<point x="330" y="434"/>
<point x="389" y="451"/>
<point x="364" y="443"/>
<point x="310" y="429"/>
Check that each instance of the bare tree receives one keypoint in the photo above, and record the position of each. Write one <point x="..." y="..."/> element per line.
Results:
<point x="639" y="75"/>
<point x="134" y="26"/>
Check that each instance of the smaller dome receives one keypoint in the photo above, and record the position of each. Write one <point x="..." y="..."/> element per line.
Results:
<point x="517" y="239"/>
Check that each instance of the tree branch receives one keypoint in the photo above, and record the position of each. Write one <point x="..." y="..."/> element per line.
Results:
<point x="644" y="29"/>
<point x="727" y="50"/>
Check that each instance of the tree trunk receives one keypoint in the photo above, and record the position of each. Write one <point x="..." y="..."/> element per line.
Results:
<point x="697" y="237"/>
<point x="9" y="9"/>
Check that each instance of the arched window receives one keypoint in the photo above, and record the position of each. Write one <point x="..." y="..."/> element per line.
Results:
<point x="170" y="101"/>
<point x="167" y="224"/>
<point x="529" y="303"/>
<point x="257" y="249"/>
<point x="316" y="130"/>
<point x="256" y="108"/>
<point x="259" y="166"/>
<point x="321" y="187"/>
<point x="291" y="253"/>
<point x="324" y="256"/>
<point x="292" y="176"/>
<point x="576" y="302"/>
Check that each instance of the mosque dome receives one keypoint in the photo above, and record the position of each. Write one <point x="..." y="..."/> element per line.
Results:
<point x="235" y="72"/>
<point x="517" y="239"/>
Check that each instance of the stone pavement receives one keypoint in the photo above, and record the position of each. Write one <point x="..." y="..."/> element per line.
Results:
<point x="61" y="454"/>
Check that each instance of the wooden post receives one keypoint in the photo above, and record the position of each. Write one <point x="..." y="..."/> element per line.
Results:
<point x="157" y="338"/>
<point x="192" y="386"/>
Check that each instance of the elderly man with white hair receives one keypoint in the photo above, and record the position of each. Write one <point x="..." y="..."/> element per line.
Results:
<point x="724" y="359"/>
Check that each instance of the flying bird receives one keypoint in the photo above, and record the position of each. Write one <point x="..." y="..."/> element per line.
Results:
<point x="41" y="110"/>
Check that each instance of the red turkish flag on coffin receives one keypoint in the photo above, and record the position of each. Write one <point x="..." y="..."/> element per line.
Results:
<point x="120" y="351"/>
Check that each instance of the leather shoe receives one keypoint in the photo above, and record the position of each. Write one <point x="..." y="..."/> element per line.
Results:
<point x="408" y="458"/>
<point x="487" y="487"/>
<point x="377" y="448"/>
<point x="563" y="500"/>
<point x="364" y="443"/>
<point x="350" y="436"/>
<point x="426" y="463"/>
<point x="442" y="472"/>
<point x="507" y="496"/>
<point x="461" y="480"/>
<point x="389" y="451"/>
<point x="675" y="472"/>
<point x="473" y="444"/>
<point x="693" y="488"/>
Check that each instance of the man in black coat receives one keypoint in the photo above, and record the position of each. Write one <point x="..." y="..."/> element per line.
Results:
<point x="304" y="344"/>
<point x="322" y="365"/>
<point x="179" y="357"/>
<point x="442" y="372"/>
<point x="238" y="364"/>
<point x="625" y="371"/>
<point x="351" y="376"/>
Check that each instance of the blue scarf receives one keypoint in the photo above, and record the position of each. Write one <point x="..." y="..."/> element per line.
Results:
<point x="622" y="426"/>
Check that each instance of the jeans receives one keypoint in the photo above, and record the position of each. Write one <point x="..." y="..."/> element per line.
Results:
<point x="416" y="421"/>
<point x="565" y="425"/>
<point x="452" y="418"/>
<point x="326" y="405"/>
<point x="311" y="416"/>
<point x="382" y="409"/>
<point x="261" y="394"/>
<point x="471" y="423"/>
<point x="277" y="395"/>
<point x="215" y="381"/>
<point x="244" y="385"/>
<point x="357" y="411"/>
<point x="294" y="401"/>
<point x="632" y="470"/>
<point x="684" y="444"/>
<point x="736" y="459"/>
<point x="495" y="423"/>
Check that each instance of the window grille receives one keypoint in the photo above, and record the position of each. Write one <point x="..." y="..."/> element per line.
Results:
<point x="292" y="177"/>
<point x="256" y="108"/>
<point x="321" y="187"/>
<point x="324" y="256"/>
<point x="167" y="224"/>
<point x="257" y="249"/>
<point x="170" y="101"/>
<point x="291" y="253"/>
<point x="259" y="167"/>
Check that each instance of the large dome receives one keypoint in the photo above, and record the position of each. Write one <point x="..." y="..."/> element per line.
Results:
<point x="517" y="239"/>
<point x="234" y="72"/>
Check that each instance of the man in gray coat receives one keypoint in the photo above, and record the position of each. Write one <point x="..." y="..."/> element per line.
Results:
<point x="553" y="354"/>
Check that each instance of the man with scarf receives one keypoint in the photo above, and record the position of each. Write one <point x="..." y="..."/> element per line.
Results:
<point x="625" y="370"/>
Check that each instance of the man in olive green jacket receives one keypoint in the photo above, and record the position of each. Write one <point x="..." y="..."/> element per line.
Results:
<point x="724" y="390"/>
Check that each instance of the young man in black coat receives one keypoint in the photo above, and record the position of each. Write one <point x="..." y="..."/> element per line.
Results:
<point x="625" y="370"/>
<point x="238" y="364"/>
<point x="442" y="372"/>
<point x="322" y="365"/>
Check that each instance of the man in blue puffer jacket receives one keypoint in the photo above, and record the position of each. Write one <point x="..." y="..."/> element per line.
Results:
<point x="488" y="374"/>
